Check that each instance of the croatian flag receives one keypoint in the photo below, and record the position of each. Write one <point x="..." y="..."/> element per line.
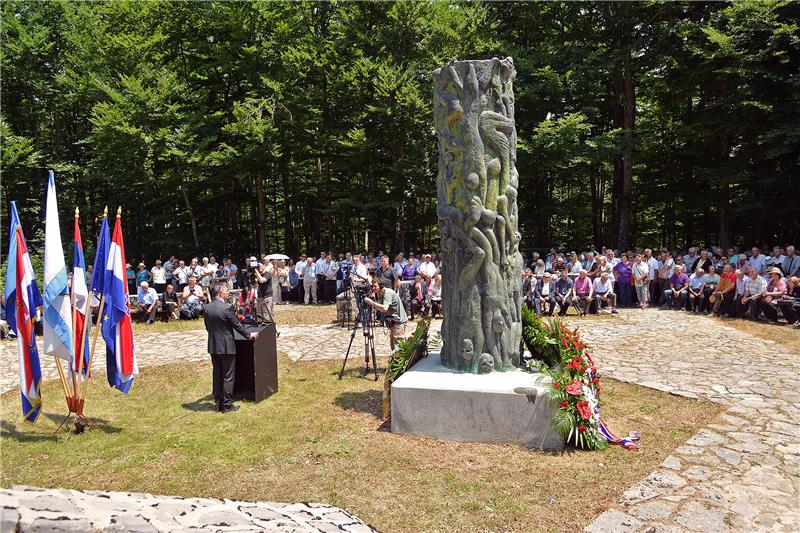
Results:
<point x="58" y="338"/>
<point x="121" y="365"/>
<point x="81" y="292"/>
<point x="22" y="297"/>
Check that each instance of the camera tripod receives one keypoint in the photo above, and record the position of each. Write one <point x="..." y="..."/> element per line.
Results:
<point x="365" y="319"/>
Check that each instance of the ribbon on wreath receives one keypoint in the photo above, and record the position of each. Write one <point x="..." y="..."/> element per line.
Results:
<point x="629" y="442"/>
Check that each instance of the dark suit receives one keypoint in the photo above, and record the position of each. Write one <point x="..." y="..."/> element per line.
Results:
<point x="550" y="299"/>
<point x="220" y="321"/>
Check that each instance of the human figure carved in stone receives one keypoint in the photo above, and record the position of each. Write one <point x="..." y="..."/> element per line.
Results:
<point x="478" y="217"/>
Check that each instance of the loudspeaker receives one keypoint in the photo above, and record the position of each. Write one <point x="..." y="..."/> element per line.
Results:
<point x="256" y="364"/>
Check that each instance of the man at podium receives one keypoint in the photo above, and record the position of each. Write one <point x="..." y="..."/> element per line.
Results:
<point x="220" y="321"/>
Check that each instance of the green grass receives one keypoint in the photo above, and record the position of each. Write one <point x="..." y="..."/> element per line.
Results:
<point x="320" y="439"/>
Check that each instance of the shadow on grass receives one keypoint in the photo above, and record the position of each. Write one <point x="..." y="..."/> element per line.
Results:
<point x="99" y="423"/>
<point x="354" y="371"/>
<point x="10" y="430"/>
<point x="368" y="402"/>
<point x="206" y="403"/>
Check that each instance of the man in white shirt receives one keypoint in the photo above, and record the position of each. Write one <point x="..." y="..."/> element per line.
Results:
<point x="310" y="281"/>
<point x="757" y="260"/>
<point x="159" y="277"/>
<point x="192" y="299"/>
<point x="181" y="275"/>
<point x="360" y="274"/>
<point x="791" y="263"/>
<point x="603" y="294"/>
<point x="653" y="264"/>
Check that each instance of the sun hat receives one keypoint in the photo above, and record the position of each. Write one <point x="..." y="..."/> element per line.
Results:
<point x="776" y="270"/>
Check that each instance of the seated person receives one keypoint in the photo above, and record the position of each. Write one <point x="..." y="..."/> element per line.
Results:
<point x="603" y="294"/>
<point x="435" y="291"/>
<point x="789" y="304"/>
<point x="528" y="286"/>
<point x="678" y="288"/>
<point x="147" y="301"/>
<point x="776" y="290"/>
<point x="754" y="288"/>
<point x="582" y="292"/>
<point x="564" y="293"/>
<point x="697" y="285"/>
<point x="170" y="302"/>
<point x="712" y="282"/>
<point x="545" y="295"/>
<point x="192" y="300"/>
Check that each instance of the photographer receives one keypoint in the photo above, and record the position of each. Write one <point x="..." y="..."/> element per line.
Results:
<point x="263" y="308"/>
<point x="388" y="303"/>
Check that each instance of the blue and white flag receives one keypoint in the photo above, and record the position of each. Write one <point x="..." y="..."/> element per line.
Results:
<point x="58" y="338"/>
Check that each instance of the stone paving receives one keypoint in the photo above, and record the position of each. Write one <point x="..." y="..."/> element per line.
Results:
<point x="741" y="473"/>
<point x="31" y="509"/>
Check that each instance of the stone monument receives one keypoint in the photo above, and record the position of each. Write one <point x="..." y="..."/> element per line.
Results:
<point x="456" y="394"/>
<point x="477" y="210"/>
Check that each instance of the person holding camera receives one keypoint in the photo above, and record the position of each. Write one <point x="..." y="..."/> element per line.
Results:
<point x="388" y="302"/>
<point x="264" y="304"/>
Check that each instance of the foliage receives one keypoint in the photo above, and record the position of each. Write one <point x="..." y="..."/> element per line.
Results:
<point x="537" y="338"/>
<point x="229" y="127"/>
<point x="575" y="388"/>
<point x="407" y="352"/>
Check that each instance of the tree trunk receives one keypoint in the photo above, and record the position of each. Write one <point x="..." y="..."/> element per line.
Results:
<point x="288" y="227"/>
<point x="191" y="215"/>
<point x="261" y="209"/>
<point x="625" y="191"/>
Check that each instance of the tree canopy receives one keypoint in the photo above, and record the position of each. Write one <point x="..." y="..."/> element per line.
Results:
<point x="235" y="127"/>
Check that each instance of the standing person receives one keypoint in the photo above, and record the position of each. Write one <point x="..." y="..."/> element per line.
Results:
<point x="791" y="263"/>
<point x="142" y="275"/>
<point x="130" y="275"/>
<point x="653" y="265"/>
<point x="169" y="269"/>
<point x="294" y="282"/>
<point x="623" y="274"/>
<point x="665" y="272"/>
<point x="231" y="272"/>
<point x="264" y="301"/>
<point x="309" y="281"/>
<point x="274" y="271"/>
<point x="181" y="276"/>
<point x="757" y="260"/>
<point x="283" y="282"/>
<point x="640" y="272"/>
<point x="159" y="274"/>
<point x="388" y="302"/>
<point x="387" y="275"/>
<point x="220" y="322"/>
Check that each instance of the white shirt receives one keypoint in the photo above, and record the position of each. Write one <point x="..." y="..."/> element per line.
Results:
<point x="757" y="262"/>
<point x="182" y="274"/>
<point x="159" y="274"/>
<point x="601" y="287"/>
<point x="362" y="271"/>
<point x="427" y="268"/>
<point x="545" y="289"/>
<point x="299" y="267"/>
<point x="309" y="273"/>
<point x="653" y="264"/>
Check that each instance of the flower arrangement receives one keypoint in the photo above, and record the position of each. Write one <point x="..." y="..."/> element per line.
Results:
<point x="575" y="381"/>
<point x="407" y="352"/>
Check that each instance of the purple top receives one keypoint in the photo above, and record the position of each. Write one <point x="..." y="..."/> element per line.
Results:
<point x="409" y="272"/>
<point x="582" y="286"/>
<point x="678" y="281"/>
<point x="623" y="272"/>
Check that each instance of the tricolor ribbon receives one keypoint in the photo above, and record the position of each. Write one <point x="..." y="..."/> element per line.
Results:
<point x="629" y="442"/>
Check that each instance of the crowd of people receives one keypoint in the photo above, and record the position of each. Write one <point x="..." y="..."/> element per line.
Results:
<point x="180" y="289"/>
<point x="728" y="284"/>
<point x="710" y="280"/>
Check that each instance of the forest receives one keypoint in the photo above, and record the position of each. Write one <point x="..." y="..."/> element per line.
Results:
<point x="241" y="127"/>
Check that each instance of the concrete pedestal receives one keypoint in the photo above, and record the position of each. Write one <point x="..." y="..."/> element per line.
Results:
<point x="505" y="407"/>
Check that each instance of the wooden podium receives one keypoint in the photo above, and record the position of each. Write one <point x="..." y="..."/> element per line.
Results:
<point x="256" y="364"/>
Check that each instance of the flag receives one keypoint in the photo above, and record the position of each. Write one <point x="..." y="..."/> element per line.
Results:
<point x="81" y="292"/>
<point x="57" y="307"/>
<point x="97" y="283"/>
<point x="121" y="365"/>
<point x="22" y="297"/>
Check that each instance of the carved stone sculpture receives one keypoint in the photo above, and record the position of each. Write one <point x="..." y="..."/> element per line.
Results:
<point x="478" y="218"/>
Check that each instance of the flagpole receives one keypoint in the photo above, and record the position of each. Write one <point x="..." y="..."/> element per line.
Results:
<point x="74" y="321"/>
<point x="98" y="327"/>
